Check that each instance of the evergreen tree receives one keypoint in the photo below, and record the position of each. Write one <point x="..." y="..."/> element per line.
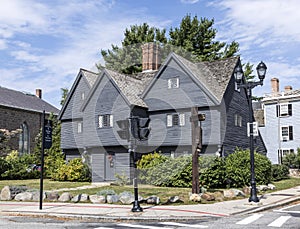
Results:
<point x="197" y="37"/>
<point x="193" y="39"/>
<point x="128" y="58"/>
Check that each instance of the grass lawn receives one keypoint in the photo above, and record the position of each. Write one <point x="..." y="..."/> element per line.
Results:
<point x="144" y="190"/>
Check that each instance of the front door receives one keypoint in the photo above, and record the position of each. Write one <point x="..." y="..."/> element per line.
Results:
<point x="110" y="160"/>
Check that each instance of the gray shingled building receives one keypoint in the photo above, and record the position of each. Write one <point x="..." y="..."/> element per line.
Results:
<point x="166" y="92"/>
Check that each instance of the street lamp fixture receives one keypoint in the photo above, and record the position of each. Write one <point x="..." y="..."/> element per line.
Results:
<point x="239" y="75"/>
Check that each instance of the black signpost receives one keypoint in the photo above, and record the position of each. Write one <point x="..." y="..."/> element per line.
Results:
<point x="46" y="144"/>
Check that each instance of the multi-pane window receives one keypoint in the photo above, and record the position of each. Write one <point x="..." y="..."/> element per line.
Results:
<point x="105" y="120"/>
<point x="173" y="83"/>
<point x="287" y="133"/>
<point x="284" y="109"/>
<point x="238" y="120"/>
<point x="175" y="120"/>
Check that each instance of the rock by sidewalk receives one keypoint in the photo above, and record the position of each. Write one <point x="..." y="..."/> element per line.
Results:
<point x="24" y="196"/>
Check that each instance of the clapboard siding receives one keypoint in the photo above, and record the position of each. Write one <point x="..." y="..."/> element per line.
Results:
<point x="235" y="136"/>
<point x="105" y="100"/>
<point x="72" y="111"/>
<point x="271" y="131"/>
<point x="123" y="164"/>
<point x="181" y="135"/>
<point x="187" y="95"/>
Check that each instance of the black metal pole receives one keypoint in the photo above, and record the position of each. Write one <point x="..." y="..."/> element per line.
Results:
<point x="136" y="206"/>
<point x="42" y="162"/>
<point x="253" y="195"/>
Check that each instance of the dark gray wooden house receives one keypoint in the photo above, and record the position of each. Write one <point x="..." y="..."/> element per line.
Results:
<point x="166" y="92"/>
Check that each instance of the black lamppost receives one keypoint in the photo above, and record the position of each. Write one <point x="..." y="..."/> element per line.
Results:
<point x="241" y="83"/>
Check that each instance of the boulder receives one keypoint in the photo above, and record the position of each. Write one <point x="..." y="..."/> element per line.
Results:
<point x="262" y="188"/>
<point x="271" y="186"/>
<point x="231" y="193"/>
<point x="219" y="196"/>
<point x="65" y="197"/>
<point x="153" y="200"/>
<point x="5" y="193"/>
<point x="174" y="199"/>
<point x="111" y="199"/>
<point x="195" y="197"/>
<point x="96" y="199"/>
<point x="24" y="196"/>
<point x="36" y="196"/>
<point x="126" y="198"/>
<point x="80" y="198"/>
<point x="246" y="190"/>
<point x="52" y="196"/>
<point x="208" y="196"/>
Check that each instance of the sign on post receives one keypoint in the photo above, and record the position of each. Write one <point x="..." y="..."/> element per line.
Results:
<point x="48" y="134"/>
<point x="254" y="129"/>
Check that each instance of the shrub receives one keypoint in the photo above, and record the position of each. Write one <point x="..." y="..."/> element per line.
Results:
<point x="238" y="172"/>
<point x="279" y="172"/>
<point x="74" y="170"/>
<point x="213" y="175"/>
<point x="19" y="166"/>
<point x="4" y="166"/>
<point x="175" y="172"/>
<point x="292" y="160"/>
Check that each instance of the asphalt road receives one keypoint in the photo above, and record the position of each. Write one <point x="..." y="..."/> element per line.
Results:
<point x="286" y="217"/>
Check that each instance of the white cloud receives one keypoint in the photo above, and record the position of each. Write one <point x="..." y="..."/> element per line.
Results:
<point x="189" y="1"/>
<point x="250" y="20"/>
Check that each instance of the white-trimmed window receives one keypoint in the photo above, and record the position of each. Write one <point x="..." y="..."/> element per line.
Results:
<point x="173" y="83"/>
<point x="286" y="133"/>
<point x="284" y="109"/>
<point x="175" y="120"/>
<point x="238" y="121"/>
<point x="105" y="121"/>
<point x="79" y="127"/>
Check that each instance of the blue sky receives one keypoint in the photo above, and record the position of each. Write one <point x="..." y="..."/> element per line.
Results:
<point x="44" y="43"/>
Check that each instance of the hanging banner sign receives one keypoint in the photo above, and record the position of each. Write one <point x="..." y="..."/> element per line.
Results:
<point x="48" y="134"/>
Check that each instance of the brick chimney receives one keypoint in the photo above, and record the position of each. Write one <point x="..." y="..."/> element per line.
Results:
<point x="151" y="59"/>
<point x="275" y="85"/>
<point x="288" y="88"/>
<point x="38" y="93"/>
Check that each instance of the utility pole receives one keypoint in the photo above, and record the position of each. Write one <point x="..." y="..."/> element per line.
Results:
<point x="196" y="146"/>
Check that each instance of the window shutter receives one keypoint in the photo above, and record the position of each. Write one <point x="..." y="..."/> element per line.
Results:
<point x="291" y="132"/>
<point x="277" y="110"/>
<point x="169" y="120"/>
<point x="111" y="120"/>
<point x="100" y="121"/>
<point x="290" y="109"/>
<point x="181" y="120"/>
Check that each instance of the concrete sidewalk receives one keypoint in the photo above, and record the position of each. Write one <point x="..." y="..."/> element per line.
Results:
<point x="159" y="212"/>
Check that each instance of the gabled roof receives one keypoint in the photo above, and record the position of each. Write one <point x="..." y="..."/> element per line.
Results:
<point x="213" y="77"/>
<point x="129" y="86"/>
<point x="89" y="76"/>
<point x="24" y="101"/>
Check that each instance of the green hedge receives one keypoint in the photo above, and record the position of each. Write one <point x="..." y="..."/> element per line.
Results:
<point x="214" y="172"/>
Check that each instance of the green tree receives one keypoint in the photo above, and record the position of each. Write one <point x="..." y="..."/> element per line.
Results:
<point x="128" y="58"/>
<point x="197" y="37"/>
<point x="193" y="39"/>
<point x="64" y="94"/>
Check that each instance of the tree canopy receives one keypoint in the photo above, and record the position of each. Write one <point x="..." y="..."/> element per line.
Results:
<point x="193" y="39"/>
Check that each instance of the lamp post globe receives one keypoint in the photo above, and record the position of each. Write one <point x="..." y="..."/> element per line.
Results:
<point x="261" y="70"/>
<point x="238" y="74"/>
